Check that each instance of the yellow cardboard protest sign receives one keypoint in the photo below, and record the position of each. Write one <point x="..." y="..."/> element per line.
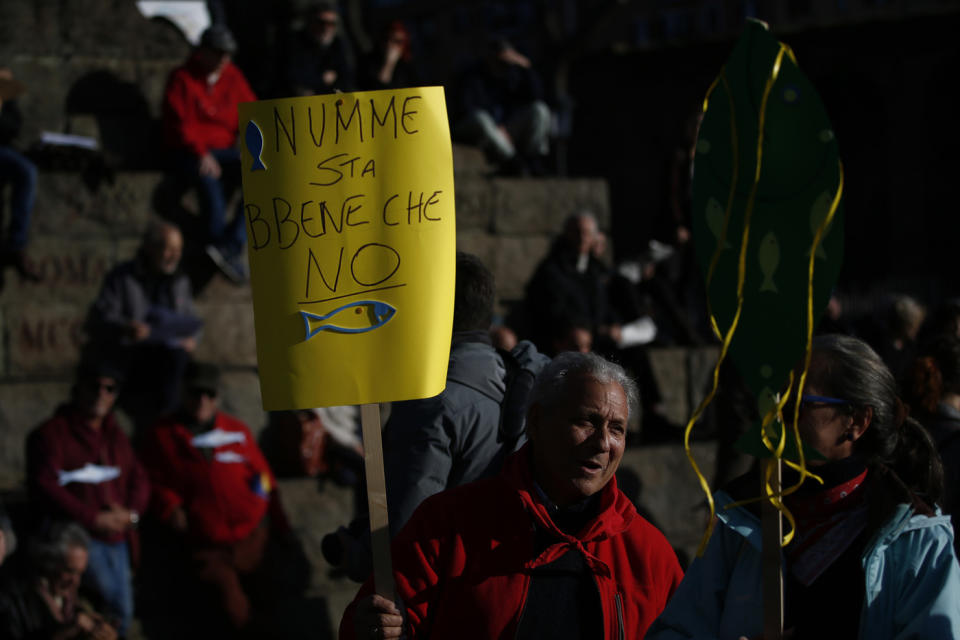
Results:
<point x="351" y="239"/>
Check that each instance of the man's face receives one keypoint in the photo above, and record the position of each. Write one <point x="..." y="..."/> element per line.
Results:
<point x="578" y="444"/>
<point x="164" y="257"/>
<point x="212" y="61"/>
<point x="200" y="404"/>
<point x="95" y="396"/>
<point x="580" y="234"/>
<point x="323" y="26"/>
<point x="67" y="581"/>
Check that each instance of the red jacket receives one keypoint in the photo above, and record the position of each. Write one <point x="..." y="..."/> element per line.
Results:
<point x="462" y="564"/>
<point x="225" y="490"/>
<point x="65" y="444"/>
<point x="199" y="117"/>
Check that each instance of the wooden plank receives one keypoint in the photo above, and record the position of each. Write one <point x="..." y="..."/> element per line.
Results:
<point x="377" y="500"/>
<point x="772" y="535"/>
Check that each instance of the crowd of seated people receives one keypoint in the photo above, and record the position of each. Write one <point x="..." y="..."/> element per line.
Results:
<point x="197" y="473"/>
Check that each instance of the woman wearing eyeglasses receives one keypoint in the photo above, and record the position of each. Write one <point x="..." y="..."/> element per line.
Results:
<point x="872" y="556"/>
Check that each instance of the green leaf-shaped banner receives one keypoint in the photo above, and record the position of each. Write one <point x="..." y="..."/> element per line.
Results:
<point x="770" y="220"/>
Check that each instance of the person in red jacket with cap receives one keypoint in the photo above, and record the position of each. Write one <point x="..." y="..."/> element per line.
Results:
<point x="80" y="466"/>
<point x="200" y="123"/>
<point x="550" y="548"/>
<point x="212" y="484"/>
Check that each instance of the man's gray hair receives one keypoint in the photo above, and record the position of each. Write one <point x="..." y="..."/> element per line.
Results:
<point x="48" y="551"/>
<point x="550" y="386"/>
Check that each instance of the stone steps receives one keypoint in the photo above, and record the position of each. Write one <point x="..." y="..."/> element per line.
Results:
<point x="82" y="226"/>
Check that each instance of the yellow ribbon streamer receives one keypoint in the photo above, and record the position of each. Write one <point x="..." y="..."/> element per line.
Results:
<point x="771" y="494"/>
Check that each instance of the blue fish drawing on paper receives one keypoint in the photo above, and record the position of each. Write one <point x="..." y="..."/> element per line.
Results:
<point x="88" y="474"/>
<point x="356" y="317"/>
<point x="254" y="139"/>
<point x="217" y="438"/>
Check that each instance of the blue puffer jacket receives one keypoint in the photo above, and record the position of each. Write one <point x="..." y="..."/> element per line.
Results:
<point x="911" y="572"/>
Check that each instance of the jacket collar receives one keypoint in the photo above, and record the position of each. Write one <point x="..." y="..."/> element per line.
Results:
<point x="615" y="511"/>
<point x="73" y="417"/>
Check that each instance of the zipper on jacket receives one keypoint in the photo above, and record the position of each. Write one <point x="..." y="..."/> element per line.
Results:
<point x="623" y="633"/>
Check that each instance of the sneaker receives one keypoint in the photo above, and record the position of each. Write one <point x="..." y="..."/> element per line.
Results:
<point x="232" y="267"/>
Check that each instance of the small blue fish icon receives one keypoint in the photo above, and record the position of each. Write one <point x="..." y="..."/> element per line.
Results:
<point x="254" y="140"/>
<point x="366" y="315"/>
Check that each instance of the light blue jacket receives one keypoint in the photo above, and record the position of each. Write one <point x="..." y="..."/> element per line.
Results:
<point x="912" y="582"/>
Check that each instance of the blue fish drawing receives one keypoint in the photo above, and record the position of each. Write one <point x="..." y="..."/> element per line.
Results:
<point x="254" y="139"/>
<point x="88" y="474"/>
<point x="368" y="315"/>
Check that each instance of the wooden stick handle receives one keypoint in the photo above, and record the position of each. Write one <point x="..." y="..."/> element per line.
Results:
<point x="772" y="535"/>
<point x="377" y="501"/>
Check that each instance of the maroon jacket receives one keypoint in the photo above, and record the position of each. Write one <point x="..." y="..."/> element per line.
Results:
<point x="225" y="493"/>
<point x="463" y="563"/>
<point x="64" y="444"/>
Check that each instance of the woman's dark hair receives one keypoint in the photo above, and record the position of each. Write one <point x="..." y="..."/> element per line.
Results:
<point x="894" y="444"/>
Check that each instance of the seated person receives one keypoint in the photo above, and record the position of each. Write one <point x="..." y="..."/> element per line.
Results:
<point x="144" y="318"/>
<point x="80" y="466"/>
<point x="212" y="485"/>
<point x="200" y="123"/>
<point x="933" y="391"/>
<point x="21" y="174"/>
<point x="872" y="556"/>
<point x="320" y="59"/>
<point x="550" y="548"/>
<point x="501" y="108"/>
<point x="390" y="64"/>
<point x="46" y="597"/>
<point x="570" y="286"/>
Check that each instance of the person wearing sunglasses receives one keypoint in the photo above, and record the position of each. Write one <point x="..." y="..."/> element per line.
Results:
<point x="213" y="487"/>
<point x="81" y="467"/>
<point x="320" y="57"/>
<point x="872" y="556"/>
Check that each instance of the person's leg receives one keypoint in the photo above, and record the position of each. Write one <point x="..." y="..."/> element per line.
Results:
<point x="22" y="175"/>
<point x="215" y="567"/>
<point x="480" y="128"/>
<point x="109" y="569"/>
<point x="530" y="129"/>
<point x="231" y="237"/>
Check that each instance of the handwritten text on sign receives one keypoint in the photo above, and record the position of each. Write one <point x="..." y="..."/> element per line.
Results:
<point x="350" y="220"/>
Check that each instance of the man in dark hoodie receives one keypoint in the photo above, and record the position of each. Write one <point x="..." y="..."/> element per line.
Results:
<point x="454" y="438"/>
